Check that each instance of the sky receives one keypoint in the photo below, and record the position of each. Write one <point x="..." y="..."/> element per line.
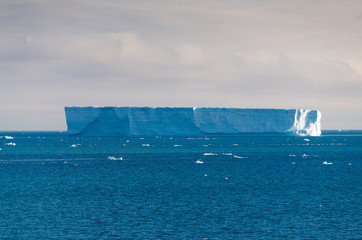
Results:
<point x="205" y="53"/>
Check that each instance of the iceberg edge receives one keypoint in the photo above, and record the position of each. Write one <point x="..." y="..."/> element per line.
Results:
<point x="183" y="121"/>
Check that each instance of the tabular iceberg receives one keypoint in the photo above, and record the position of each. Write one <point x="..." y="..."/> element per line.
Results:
<point x="168" y="121"/>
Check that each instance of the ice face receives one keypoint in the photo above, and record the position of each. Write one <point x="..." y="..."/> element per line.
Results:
<point x="147" y="121"/>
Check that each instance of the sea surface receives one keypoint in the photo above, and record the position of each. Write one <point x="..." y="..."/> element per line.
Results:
<point x="54" y="186"/>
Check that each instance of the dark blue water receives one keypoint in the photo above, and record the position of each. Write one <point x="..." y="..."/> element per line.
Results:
<point x="252" y="187"/>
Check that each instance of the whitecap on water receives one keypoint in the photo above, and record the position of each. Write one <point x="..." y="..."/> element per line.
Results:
<point x="327" y="163"/>
<point x="199" y="161"/>
<point x="227" y="154"/>
<point x="10" y="144"/>
<point x="305" y="155"/>
<point x="235" y="156"/>
<point x="210" y="154"/>
<point x="114" y="158"/>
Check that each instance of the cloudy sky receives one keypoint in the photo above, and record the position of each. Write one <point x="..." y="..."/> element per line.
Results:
<point x="217" y="53"/>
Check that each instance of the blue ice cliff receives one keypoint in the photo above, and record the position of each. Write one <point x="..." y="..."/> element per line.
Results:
<point x="169" y="121"/>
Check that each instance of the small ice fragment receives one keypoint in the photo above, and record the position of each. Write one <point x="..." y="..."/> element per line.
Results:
<point x="235" y="156"/>
<point x="292" y="155"/>
<point x="327" y="163"/>
<point x="177" y="145"/>
<point x="10" y="144"/>
<point x="73" y="145"/>
<point x="0" y="149"/>
<point x="65" y="162"/>
<point x="127" y="140"/>
<point x="145" y="145"/>
<point x="235" y="144"/>
<point x="210" y="154"/>
<point x="141" y="138"/>
<point x="205" y="175"/>
<point x="293" y="162"/>
<point x="9" y="137"/>
<point x="199" y="161"/>
<point x="305" y="155"/>
<point x="227" y="154"/>
<point x="306" y="139"/>
<point x="349" y="164"/>
<point x="114" y="158"/>
<point x="226" y="178"/>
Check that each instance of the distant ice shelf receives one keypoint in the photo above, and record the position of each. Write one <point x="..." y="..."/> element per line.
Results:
<point x="172" y="121"/>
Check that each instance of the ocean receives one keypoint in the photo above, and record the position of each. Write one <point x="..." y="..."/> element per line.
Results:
<point x="55" y="186"/>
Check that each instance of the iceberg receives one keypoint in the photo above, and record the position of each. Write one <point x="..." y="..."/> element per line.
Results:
<point x="182" y="121"/>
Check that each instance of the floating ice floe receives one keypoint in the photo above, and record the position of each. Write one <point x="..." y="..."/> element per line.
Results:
<point x="327" y="163"/>
<point x="306" y="139"/>
<point x="9" y="137"/>
<point x="10" y="144"/>
<point x="75" y="145"/>
<point x="235" y="156"/>
<point x="114" y="158"/>
<point x="199" y="161"/>
<point x="210" y="154"/>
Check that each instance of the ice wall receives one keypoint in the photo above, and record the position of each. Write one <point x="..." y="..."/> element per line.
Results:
<point x="147" y="121"/>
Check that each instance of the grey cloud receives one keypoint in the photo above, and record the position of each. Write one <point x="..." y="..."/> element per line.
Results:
<point x="286" y="54"/>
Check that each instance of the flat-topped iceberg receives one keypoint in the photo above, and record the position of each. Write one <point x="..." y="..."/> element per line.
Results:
<point x="169" y="121"/>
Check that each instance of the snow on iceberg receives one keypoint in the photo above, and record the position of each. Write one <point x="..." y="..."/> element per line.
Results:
<point x="167" y="121"/>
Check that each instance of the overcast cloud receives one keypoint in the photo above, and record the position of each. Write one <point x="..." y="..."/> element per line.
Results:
<point x="226" y="53"/>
